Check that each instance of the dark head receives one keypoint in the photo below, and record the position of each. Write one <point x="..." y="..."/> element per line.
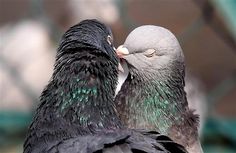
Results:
<point x="84" y="47"/>
<point x="151" y="50"/>
<point x="88" y="34"/>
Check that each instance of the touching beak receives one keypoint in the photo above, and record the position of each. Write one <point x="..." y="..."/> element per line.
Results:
<point x="122" y="51"/>
<point x="120" y="68"/>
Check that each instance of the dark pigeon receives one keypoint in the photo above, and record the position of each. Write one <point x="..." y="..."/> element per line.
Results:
<point x="77" y="112"/>
<point x="152" y="96"/>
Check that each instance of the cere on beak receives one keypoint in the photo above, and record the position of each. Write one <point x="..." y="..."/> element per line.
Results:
<point x="122" y="51"/>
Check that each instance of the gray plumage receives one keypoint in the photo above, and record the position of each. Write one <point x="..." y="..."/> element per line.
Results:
<point x="153" y="95"/>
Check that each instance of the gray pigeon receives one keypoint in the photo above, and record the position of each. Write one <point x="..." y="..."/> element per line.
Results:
<point x="152" y="96"/>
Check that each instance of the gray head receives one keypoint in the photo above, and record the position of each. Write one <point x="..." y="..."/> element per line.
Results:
<point x="152" y="49"/>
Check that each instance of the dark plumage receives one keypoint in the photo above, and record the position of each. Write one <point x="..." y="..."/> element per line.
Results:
<point x="153" y="96"/>
<point x="76" y="112"/>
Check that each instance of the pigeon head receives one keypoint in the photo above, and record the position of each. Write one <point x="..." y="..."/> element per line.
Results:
<point x="151" y="49"/>
<point x="87" y="47"/>
<point x="88" y="34"/>
<point x="86" y="52"/>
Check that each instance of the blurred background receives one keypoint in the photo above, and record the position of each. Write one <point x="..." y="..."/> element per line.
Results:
<point x="30" y="31"/>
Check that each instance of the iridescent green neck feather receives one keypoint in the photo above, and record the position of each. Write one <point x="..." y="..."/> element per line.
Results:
<point x="153" y="103"/>
<point x="156" y="101"/>
<point x="79" y="98"/>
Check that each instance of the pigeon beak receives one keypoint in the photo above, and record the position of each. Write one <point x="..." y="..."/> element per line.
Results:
<point x="122" y="51"/>
<point x="120" y="68"/>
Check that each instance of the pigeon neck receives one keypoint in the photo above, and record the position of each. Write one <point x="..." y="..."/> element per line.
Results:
<point x="158" y="102"/>
<point x="165" y="98"/>
<point x="158" y="98"/>
<point x="84" y="92"/>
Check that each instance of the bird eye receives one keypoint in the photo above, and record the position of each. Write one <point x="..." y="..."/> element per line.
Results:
<point x="109" y="40"/>
<point x="149" y="52"/>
